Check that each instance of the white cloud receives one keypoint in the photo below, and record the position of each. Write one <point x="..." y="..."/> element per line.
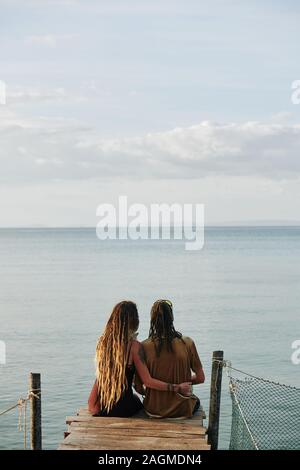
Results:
<point x="22" y="95"/>
<point x="48" y="40"/>
<point x="62" y="149"/>
<point x="251" y="148"/>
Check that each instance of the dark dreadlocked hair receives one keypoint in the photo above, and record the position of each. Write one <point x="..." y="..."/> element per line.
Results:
<point x="162" y="330"/>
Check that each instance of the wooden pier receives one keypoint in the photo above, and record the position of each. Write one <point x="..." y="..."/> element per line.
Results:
<point x="86" y="432"/>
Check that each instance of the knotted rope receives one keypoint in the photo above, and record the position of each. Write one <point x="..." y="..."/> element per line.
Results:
<point x="22" y="412"/>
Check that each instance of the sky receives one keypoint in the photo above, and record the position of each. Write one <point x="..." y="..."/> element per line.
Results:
<point x="162" y="101"/>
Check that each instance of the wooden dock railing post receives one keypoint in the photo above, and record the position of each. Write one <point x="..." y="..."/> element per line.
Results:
<point x="35" y="412"/>
<point x="215" y="399"/>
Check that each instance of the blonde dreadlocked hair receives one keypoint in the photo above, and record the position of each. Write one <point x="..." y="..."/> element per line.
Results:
<point x="112" y="351"/>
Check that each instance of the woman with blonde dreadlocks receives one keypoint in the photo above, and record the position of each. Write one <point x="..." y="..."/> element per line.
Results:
<point x="118" y="356"/>
<point x="172" y="357"/>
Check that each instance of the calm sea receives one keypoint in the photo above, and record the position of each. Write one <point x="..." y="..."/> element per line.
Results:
<point x="241" y="293"/>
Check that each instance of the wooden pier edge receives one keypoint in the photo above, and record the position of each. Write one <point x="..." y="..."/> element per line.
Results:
<point x="86" y="432"/>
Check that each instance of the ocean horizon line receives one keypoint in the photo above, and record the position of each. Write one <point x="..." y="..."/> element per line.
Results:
<point x="249" y="224"/>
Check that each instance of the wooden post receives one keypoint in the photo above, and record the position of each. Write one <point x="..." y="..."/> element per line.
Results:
<point x="35" y="412"/>
<point x="215" y="399"/>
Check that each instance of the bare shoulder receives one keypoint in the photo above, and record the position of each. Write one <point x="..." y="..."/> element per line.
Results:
<point x="188" y="341"/>
<point x="139" y="351"/>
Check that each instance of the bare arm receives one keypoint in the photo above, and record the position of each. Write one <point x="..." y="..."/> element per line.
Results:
<point x="198" y="377"/>
<point x="93" y="402"/>
<point x="139" y="359"/>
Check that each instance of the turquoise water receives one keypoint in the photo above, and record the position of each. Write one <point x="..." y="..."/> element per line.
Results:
<point x="241" y="293"/>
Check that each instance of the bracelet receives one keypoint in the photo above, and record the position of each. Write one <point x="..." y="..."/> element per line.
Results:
<point x="172" y="388"/>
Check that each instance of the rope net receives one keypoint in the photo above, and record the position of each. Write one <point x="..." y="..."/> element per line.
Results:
<point x="265" y="414"/>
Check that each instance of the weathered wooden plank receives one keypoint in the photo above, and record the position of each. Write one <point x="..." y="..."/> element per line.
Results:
<point x="131" y="423"/>
<point x="201" y="431"/>
<point x="88" y="441"/>
<point x="65" y="447"/>
<point x="191" y="432"/>
<point x="142" y="414"/>
<point x="101" y="434"/>
<point x="134" y="447"/>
